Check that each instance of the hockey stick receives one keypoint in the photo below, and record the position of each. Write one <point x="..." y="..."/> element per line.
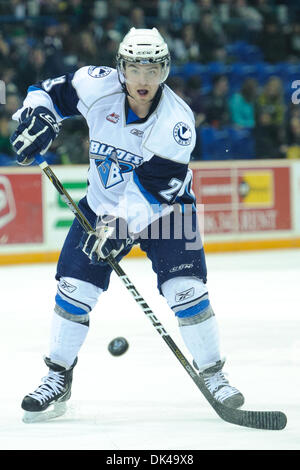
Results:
<point x="273" y="420"/>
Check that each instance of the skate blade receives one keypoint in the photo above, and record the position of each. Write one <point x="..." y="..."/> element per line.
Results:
<point x="58" y="409"/>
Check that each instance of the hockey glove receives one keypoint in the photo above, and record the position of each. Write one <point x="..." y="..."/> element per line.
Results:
<point x="110" y="239"/>
<point x="35" y="134"/>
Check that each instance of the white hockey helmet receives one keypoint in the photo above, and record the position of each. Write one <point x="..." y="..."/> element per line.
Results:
<point x="143" y="46"/>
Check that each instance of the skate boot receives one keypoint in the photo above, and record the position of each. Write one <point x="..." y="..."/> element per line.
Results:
<point x="49" y="399"/>
<point x="219" y="387"/>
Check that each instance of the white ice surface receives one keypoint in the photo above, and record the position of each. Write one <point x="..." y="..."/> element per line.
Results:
<point x="145" y="399"/>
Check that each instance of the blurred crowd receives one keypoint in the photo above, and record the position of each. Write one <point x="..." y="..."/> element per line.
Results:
<point x="47" y="38"/>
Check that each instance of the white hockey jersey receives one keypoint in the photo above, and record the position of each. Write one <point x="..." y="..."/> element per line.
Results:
<point x="151" y="171"/>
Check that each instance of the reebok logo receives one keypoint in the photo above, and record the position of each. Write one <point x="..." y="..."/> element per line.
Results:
<point x="184" y="295"/>
<point x="67" y="286"/>
<point x="137" y="132"/>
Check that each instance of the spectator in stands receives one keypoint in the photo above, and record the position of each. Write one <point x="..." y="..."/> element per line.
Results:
<point x="206" y="6"/>
<point x="211" y="38"/>
<point x="293" y="148"/>
<point x="108" y="48"/>
<point x="216" y="108"/>
<point x="5" y="132"/>
<point x="137" y="18"/>
<point x="273" y="42"/>
<point x="294" y="41"/>
<point x="8" y="75"/>
<point x="241" y="20"/>
<point x="271" y="102"/>
<point x="111" y="28"/>
<point x="69" y="46"/>
<point x="265" y="8"/>
<point x="242" y="104"/>
<point x="52" y="45"/>
<point x="4" y="50"/>
<point x="19" y="47"/>
<point x="13" y="101"/>
<point x="186" y="48"/>
<point x="79" y="12"/>
<point x="195" y="98"/>
<point x="34" y="69"/>
<point x="293" y="111"/>
<point x="17" y="8"/>
<point x="251" y="19"/>
<point x="268" y="143"/>
<point x="50" y="7"/>
<point x="292" y="131"/>
<point x="119" y="7"/>
<point x="88" y="52"/>
<point x="172" y="12"/>
<point x="270" y="117"/>
<point x="166" y="34"/>
<point x="177" y="84"/>
<point x="150" y="9"/>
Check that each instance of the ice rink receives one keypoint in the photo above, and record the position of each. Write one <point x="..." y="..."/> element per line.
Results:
<point x="145" y="399"/>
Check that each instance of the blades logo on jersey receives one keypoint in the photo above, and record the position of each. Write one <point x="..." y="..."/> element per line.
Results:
<point x="100" y="150"/>
<point x="182" y="133"/>
<point x="112" y="162"/>
<point x="110" y="171"/>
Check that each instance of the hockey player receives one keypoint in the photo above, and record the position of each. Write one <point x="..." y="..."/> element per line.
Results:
<point x="141" y="138"/>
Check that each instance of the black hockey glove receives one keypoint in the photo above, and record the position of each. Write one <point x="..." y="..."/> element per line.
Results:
<point x="36" y="132"/>
<point x="111" y="238"/>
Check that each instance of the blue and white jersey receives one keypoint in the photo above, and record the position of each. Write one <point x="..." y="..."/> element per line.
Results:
<point x="151" y="170"/>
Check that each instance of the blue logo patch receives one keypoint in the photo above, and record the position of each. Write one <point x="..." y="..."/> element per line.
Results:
<point x="182" y="133"/>
<point x="99" y="72"/>
<point x="112" y="163"/>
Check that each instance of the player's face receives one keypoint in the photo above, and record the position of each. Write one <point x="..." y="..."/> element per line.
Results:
<point x="142" y="81"/>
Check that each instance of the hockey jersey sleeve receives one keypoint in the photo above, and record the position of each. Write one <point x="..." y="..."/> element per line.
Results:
<point x="71" y="94"/>
<point x="160" y="179"/>
<point x="57" y="94"/>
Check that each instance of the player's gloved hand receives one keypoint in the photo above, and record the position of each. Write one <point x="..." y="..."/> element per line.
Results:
<point x="111" y="238"/>
<point x="36" y="132"/>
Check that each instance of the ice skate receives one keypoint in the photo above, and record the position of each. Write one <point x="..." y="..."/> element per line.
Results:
<point x="219" y="387"/>
<point x="48" y="401"/>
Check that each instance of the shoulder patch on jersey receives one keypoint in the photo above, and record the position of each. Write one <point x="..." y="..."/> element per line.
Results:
<point x="182" y="133"/>
<point x="99" y="72"/>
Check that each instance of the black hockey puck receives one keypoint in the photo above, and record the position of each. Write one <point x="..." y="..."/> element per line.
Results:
<point x="118" y="346"/>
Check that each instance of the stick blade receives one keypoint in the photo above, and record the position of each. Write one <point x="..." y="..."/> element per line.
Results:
<point x="269" y="420"/>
